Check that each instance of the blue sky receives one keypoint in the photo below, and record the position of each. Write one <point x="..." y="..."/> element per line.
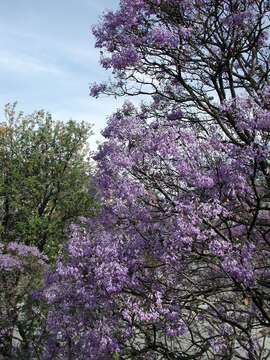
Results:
<point x="48" y="58"/>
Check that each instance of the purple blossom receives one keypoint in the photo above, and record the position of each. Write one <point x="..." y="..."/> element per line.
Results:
<point x="96" y="89"/>
<point x="176" y="260"/>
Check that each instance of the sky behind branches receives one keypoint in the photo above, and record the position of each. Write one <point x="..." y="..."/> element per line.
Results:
<point x="48" y="58"/>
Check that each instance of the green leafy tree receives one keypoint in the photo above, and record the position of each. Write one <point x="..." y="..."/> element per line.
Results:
<point x="45" y="185"/>
<point x="44" y="180"/>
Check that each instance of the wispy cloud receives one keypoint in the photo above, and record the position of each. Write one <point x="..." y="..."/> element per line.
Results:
<point x="48" y="59"/>
<point x="26" y="64"/>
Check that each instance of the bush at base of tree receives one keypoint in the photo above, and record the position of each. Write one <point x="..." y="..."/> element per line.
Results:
<point x="22" y="269"/>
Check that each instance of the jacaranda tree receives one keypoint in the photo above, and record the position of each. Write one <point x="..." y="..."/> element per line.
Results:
<point x="176" y="266"/>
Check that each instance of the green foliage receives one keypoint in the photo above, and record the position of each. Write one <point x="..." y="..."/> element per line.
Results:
<point x="45" y="178"/>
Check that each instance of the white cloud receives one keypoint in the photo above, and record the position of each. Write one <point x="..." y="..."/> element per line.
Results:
<point x="26" y="64"/>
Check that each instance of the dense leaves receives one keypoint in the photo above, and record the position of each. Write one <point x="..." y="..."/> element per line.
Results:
<point x="44" y="183"/>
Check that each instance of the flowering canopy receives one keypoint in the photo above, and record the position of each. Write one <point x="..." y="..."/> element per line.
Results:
<point x="176" y="266"/>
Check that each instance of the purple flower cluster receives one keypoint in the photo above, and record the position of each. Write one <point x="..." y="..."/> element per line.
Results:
<point x="174" y="202"/>
<point x="13" y="256"/>
<point x="21" y="267"/>
<point x="96" y="89"/>
<point x="175" y="263"/>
